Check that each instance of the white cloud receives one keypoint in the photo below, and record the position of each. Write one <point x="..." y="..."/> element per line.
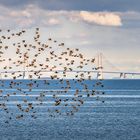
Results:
<point x="101" y="18"/>
<point x="53" y="21"/>
<point x="44" y="17"/>
<point x="22" y="13"/>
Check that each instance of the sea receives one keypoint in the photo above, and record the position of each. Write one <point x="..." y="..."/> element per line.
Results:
<point x="112" y="114"/>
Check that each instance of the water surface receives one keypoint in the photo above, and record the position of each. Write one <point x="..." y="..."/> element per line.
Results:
<point x="115" y="119"/>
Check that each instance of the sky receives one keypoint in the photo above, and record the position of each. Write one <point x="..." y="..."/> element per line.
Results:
<point x="111" y="27"/>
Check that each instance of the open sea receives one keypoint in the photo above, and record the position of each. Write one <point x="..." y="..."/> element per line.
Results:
<point x="117" y="118"/>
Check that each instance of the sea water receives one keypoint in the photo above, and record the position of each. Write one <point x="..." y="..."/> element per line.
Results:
<point x="118" y="118"/>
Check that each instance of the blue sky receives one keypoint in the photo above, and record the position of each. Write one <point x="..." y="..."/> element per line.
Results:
<point x="90" y="5"/>
<point x="108" y="26"/>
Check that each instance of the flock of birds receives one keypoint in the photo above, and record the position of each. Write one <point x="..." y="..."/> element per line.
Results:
<point x="66" y="66"/>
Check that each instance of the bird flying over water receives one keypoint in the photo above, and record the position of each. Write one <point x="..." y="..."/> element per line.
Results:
<point x="20" y="56"/>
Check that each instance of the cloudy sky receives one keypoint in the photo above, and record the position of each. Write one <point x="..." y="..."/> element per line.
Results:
<point x="108" y="26"/>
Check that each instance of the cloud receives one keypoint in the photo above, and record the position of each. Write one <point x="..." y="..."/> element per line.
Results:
<point x="101" y="18"/>
<point x="27" y="17"/>
<point x="53" y="21"/>
<point x="32" y="15"/>
<point x="22" y="13"/>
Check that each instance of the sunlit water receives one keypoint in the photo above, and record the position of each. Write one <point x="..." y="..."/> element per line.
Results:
<point x="118" y="118"/>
